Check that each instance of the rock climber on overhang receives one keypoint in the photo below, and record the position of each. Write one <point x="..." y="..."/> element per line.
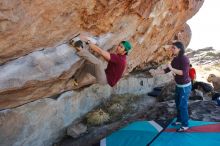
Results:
<point x="116" y="61"/>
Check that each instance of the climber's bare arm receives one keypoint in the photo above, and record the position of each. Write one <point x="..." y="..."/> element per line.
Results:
<point x="103" y="53"/>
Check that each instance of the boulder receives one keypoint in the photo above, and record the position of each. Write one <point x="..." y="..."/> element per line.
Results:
<point x="75" y="130"/>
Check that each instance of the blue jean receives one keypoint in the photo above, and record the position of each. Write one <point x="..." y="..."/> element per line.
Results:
<point x="181" y="100"/>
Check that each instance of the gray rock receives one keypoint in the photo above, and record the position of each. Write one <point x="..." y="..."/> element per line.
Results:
<point x="204" y="111"/>
<point x="75" y="130"/>
<point x="44" y="121"/>
<point x="196" y="95"/>
<point x="168" y="92"/>
<point x="198" y="110"/>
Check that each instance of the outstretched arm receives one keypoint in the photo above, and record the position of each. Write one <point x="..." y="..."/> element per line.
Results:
<point x="103" y="53"/>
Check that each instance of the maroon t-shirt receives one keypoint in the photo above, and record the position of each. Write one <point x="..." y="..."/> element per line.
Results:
<point x="115" y="68"/>
<point x="181" y="63"/>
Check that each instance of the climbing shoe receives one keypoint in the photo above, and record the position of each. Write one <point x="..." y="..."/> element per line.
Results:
<point x="182" y="129"/>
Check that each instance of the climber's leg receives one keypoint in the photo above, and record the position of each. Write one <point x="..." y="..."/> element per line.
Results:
<point x="94" y="66"/>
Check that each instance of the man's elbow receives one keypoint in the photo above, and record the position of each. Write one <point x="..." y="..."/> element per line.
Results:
<point x="105" y="55"/>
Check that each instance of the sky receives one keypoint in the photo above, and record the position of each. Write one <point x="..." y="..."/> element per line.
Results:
<point x="205" y="26"/>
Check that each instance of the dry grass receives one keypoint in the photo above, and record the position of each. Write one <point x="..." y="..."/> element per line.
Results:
<point x="97" y="117"/>
<point x="111" y="110"/>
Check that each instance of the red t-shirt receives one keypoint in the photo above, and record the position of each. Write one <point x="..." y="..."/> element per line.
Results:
<point x="192" y="73"/>
<point x="115" y="68"/>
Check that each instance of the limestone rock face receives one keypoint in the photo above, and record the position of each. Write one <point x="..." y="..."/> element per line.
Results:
<point x="29" y="25"/>
<point x="44" y="121"/>
<point x="36" y="63"/>
<point x="39" y="74"/>
<point x="184" y="35"/>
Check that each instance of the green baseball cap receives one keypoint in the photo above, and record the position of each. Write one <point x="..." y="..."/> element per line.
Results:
<point x="126" y="45"/>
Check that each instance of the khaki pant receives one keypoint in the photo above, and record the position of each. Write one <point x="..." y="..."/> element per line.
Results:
<point x="92" y="65"/>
